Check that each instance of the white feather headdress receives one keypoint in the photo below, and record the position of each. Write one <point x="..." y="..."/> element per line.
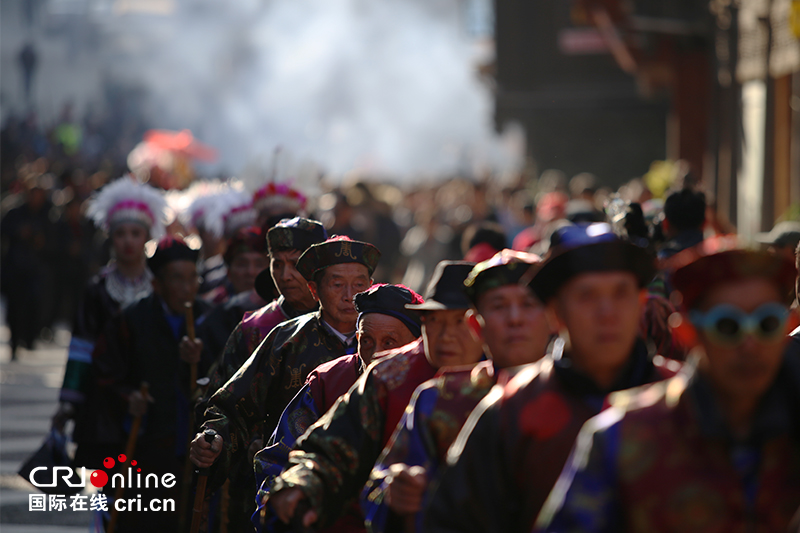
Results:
<point x="126" y="200"/>
<point x="197" y="200"/>
<point x="227" y="212"/>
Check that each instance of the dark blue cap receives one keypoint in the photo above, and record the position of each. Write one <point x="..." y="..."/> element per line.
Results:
<point x="588" y="248"/>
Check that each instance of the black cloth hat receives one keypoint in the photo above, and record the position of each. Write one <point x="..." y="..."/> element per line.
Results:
<point x="390" y="300"/>
<point x="589" y="248"/>
<point x="171" y="248"/>
<point x="296" y="233"/>
<point x="506" y="267"/>
<point x="335" y="251"/>
<point x="446" y="289"/>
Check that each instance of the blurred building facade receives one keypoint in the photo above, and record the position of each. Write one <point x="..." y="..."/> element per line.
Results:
<point x="596" y="79"/>
<point x="557" y="76"/>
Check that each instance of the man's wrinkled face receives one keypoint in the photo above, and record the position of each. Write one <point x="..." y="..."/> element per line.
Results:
<point x="292" y="285"/>
<point x="335" y="291"/>
<point x="447" y="339"/>
<point x="377" y="332"/>
<point x="243" y="270"/>
<point x="515" y="326"/>
<point x="748" y="368"/>
<point x="176" y="283"/>
<point x="601" y="312"/>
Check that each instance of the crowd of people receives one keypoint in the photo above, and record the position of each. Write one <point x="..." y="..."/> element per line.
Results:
<point x="545" y="355"/>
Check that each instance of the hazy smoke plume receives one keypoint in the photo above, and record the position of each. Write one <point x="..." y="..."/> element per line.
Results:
<point x="381" y="85"/>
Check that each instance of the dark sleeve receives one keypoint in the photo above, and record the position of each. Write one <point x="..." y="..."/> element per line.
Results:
<point x="111" y="360"/>
<point x="333" y="459"/>
<point x="271" y="460"/>
<point x="236" y="410"/>
<point x="411" y="444"/>
<point x="475" y="489"/>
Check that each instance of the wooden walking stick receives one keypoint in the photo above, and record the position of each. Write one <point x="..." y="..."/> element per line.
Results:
<point x="130" y="447"/>
<point x="200" y="492"/>
<point x="187" y="469"/>
<point x="191" y="334"/>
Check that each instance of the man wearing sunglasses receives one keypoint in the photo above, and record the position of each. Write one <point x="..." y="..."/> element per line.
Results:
<point x="715" y="451"/>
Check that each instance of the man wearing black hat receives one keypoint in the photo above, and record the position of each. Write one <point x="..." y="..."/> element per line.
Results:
<point x="511" y="450"/>
<point x="286" y="241"/>
<point x="383" y="324"/>
<point x="360" y="424"/>
<point x="514" y="328"/>
<point x="148" y="343"/>
<point x="250" y="403"/>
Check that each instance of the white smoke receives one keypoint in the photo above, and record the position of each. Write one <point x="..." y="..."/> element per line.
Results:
<point x="388" y="86"/>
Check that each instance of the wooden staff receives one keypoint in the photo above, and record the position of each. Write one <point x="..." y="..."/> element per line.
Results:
<point x="224" y="503"/>
<point x="130" y="447"/>
<point x="191" y="334"/>
<point x="200" y="493"/>
<point x="187" y="469"/>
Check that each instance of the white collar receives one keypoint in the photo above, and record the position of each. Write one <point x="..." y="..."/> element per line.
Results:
<point x="346" y="339"/>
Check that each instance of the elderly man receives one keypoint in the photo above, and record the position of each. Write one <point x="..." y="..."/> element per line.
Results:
<point x="512" y="448"/>
<point x="147" y="342"/>
<point x="511" y="322"/>
<point x="361" y="422"/>
<point x="249" y="405"/>
<point x="383" y="324"/>
<point x="718" y="450"/>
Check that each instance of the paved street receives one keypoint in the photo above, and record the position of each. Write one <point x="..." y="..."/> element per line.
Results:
<point x="28" y="397"/>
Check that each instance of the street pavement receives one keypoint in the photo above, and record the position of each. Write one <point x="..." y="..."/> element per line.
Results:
<point x="28" y="398"/>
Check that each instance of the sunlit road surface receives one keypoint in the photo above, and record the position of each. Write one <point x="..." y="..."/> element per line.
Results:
<point x="28" y="398"/>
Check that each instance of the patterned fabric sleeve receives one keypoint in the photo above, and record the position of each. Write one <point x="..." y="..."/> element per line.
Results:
<point x="332" y="461"/>
<point x="474" y="491"/>
<point x="584" y="497"/>
<point x="411" y="444"/>
<point x="235" y="411"/>
<point x="270" y="461"/>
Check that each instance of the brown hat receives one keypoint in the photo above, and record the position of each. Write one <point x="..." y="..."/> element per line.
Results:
<point x="720" y="260"/>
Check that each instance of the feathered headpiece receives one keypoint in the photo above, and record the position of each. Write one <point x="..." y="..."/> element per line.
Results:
<point x="279" y="198"/>
<point x="125" y="200"/>
<point x="199" y="199"/>
<point x="228" y="212"/>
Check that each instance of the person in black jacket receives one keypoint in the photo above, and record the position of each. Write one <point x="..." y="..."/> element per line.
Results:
<point x="148" y="343"/>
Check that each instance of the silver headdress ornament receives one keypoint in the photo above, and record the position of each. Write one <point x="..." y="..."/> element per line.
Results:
<point x="228" y="212"/>
<point x="126" y="200"/>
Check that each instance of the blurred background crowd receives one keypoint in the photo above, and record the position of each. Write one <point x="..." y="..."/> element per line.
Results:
<point x="469" y="127"/>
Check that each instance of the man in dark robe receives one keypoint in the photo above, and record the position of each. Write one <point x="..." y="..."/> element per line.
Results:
<point x="383" y="324"/>
<point x="148" y="343"/>
<point x="249" y="405"/>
